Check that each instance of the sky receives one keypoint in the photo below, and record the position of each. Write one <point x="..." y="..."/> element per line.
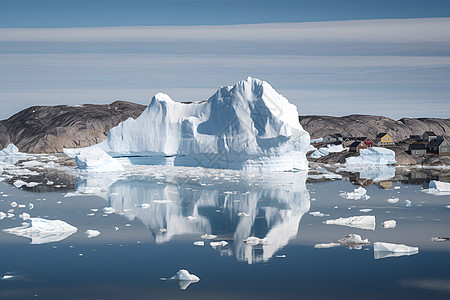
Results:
<point x="328" y="57"/>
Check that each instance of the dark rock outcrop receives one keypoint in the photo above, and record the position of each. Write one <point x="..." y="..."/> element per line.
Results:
<point x="370" y="126"/>
<point x="49" y="129"/>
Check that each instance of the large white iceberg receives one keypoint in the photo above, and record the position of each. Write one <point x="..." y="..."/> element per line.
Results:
<point x="383" y="250"/>
<point x="372" y="156"/>
<point x="42" y="231"/>
<point x="438" y="188"/>
<point x="247" y="126"/>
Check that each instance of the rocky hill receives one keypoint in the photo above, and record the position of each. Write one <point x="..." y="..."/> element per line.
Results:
<point x="370" y="126"/>
<point x="49" y="129"/>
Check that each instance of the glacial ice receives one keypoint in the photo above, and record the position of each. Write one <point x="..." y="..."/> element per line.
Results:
<point x="90" y="233"/>
<point x="353" y="241"/>
<point x="438" y="188"/>
<point x="357" y="194"/>
<point x="362" y="222"/>
<point x="184" y="278"/>
<point x="372" y="156"/>
<point x="327" y="150"/>
<point x="383" y="250"/>
<point x="42" y="231"/>
<point x="247" y="126"/>
<point x="94" y="160"/>
<point x="326" y="245"/>
<point x="11" y="150"/>
<point x="389" y="224"/>
<point x="218" y="244"/>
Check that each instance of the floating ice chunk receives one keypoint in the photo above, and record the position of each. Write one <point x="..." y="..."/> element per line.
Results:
<point x="109" y="210"/>
<point x="49" y="182"/>
<point x="447" y="206"/>
<point x="30" y="206"/>
<point x="383" y="250"/>
<point x="13" y="204"/>
<point x="393" y="200"/>
<point x="199" y="243"/>
<point x="11" y="150"/>
<point x="440" y="239"/>
<point x="2" y="215"/>
<point x="396" y="187"/>
<point x="218" y="244"/>
<point x="281" y="256"/>
<point x="208" y="236"/>
<point x="372" y="156"/>
<point x="389" y="224"/>
<point x="184" y="278"/>
<point x="9" y="215"/>
<point x="362" y="222"/>
<point x="42" y="231"/>
<point x="318" y="214"/>
<point x="19" y="183"/>
<point x="327" y="150"/>
<point x="407" y="203"/>
<point x="243" y="214"/>
<point x="254" y="241"/>
<point x="144" y="205"/>
<point x="94" y="159"/>
<point x="116" y="228"/>
<point x="438" y="188"/>
<point x="353" y="241"/>
<point x="359" y="193"/>
<point x="365" y="210"/>
<point x="24" y="216"/>
<point x="326" y="245"/>
<point x="190" y="218"/>
<point x="90" y="233"/>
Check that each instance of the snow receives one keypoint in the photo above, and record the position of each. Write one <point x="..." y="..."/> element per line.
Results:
<point x="372" y="156"/>
<point x="362" y="222"/>
<point x="94" y="160"/>
<point x="42" y="231"/>
<point x="327" y="150"/>
<point x="389" y="224"/>
<point x="438" y="188"/>
<point x="357" y="194"/>
<point x="326" y="245"/>
<point x="90" y="233"/>
<point x="11" y="150"/>
<point x="353" y="241"/>
<point x="247" y="126"/>
<point x="383" y="250"/>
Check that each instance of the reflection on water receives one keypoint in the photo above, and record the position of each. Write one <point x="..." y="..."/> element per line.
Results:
<point x="232" y="206"/>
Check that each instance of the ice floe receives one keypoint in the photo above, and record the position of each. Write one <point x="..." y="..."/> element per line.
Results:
<point x="438" y="188"/>
<point x="393" y="200"/>
<point x="361" y="222"/>
<point x="90" y="233"/>
<point x="440" y="239"/>
<point x="318" y="214"/>
<point x="247" y="126"/>
<point x="357" y="194"/>
<point x="184" y="278"/>
<point x="353" y="241"/>
<point x="199" y="243"/>
<point x="218" y="244"/>
<point x="326" y="245"/>
<point x="389" y="224"/>
<point x="42" y="231"/>
<point x="384" y="250"/>
<point x="109" y="210"/>
<point x="208" y="236"/>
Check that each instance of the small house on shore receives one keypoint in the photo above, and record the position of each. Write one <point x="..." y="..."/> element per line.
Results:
<point x="356" y="146"/>
<point x="417" y="149"/>
<point x="428" y="136"/>
<point x="383" y="139"/>
<point x="365" y="140"/>
<point x="439" y="146"/>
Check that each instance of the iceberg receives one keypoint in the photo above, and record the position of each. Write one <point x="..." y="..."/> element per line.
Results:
<point x="90" y="233"/>
<point x="353" y="241"/>
<point x="94" y="160"/>
<point x="42" y="231"/>
<point x="357" y="194"/>
<point x="184" y="278"/>
<point x="438" y="188"/>
<point x="327" y="150"/>
<point x="361" y="222"/>
<point x="248" y="126"/>
<point x="326" y="245"/>
<point x="383" y="250"/>
<point x="389" y="224"/>
<point x="372" y="156"/>
<point x="11" y="150"/>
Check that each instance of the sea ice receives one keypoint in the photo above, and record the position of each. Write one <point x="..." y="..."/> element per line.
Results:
<point x="109" y="210"/>
<point x="372" y="156"/>
<point x="440" y="239"/>
<point x="11" y="150"/>
<point x="199" y="243"/>
<point x="393" y="200"/>
<point x="94" y="160"/>
<point x="2" y="215"/>
<point x="383" y="250"/>
<point x="90" y="233"/>
<point x="254" y="241"/>
<point x="208" y="236"/>
<point x="42" y="231"/>
<point x="247" y="126"/>
<point x="389" y="224"/>
<point x="24" y="216"/>
<point x="407" y="203"/>
<point x="362" y="222"/>
<point x="218" y="244"/>
<point x="353" y="241"/>
<point x="184" y="278"/>
<point x="357" y="194"/>
<point x="438" y="188"/>
<point x="326" y="245"/>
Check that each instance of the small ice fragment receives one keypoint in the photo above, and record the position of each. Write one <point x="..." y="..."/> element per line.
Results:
<point x="94" y="209"/>
<point x="116" y="228"/>
<point x="90" y="214"/>
<point x="318" y="214"/>
<point x="243" y="214"/>
<point x="5" y="277"/>
<point x="365" y="210"/>
<point x="254" y="241"/>
<point x="393" y="200"/>
<point x="208" y="236"/>
<point x="184" y="278"/>
<point x="326" y="245"/>
<point x="353" y="241"/>
<point x="362" y="222"/>
<point x="407" y="203"/>
<point x="190" y="218"/>
<point x="128" y="225"/>
<point x="447" y="206"/>
<point x="21" y="206"/>
<point x="396" y="187"/>
<point x="218" y="244"/>
<point x="392" y="250"/>
<point x="59" y="202"/>
<point x="281" y="256"/>
<point x="199" y="243"/>
<point x="389" y="224"/>
<point x="10" y="215"/>
<point x="162" y="230"/>
<point x="13" y="204"/>
<point x="108" y="210"/>
<point x="19" y="183"/>
<point x="49" y="182"/>
<point x="440" y="239"/>
<point x="81" y="254"/>
<point x="91" y="233"/>
<point x="2" y="215"/>
<point x="30" y="206"/>
<point x="357" y="194"/>
<point x="24" y="216"/>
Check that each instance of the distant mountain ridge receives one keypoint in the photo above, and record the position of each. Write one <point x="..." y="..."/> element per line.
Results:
<point x="49" y="129"/>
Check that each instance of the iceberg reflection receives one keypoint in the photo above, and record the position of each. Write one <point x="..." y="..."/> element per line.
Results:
<point x="230" y="204"/>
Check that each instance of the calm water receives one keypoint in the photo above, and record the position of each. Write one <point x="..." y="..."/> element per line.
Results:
<point x="160" y="212"/>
